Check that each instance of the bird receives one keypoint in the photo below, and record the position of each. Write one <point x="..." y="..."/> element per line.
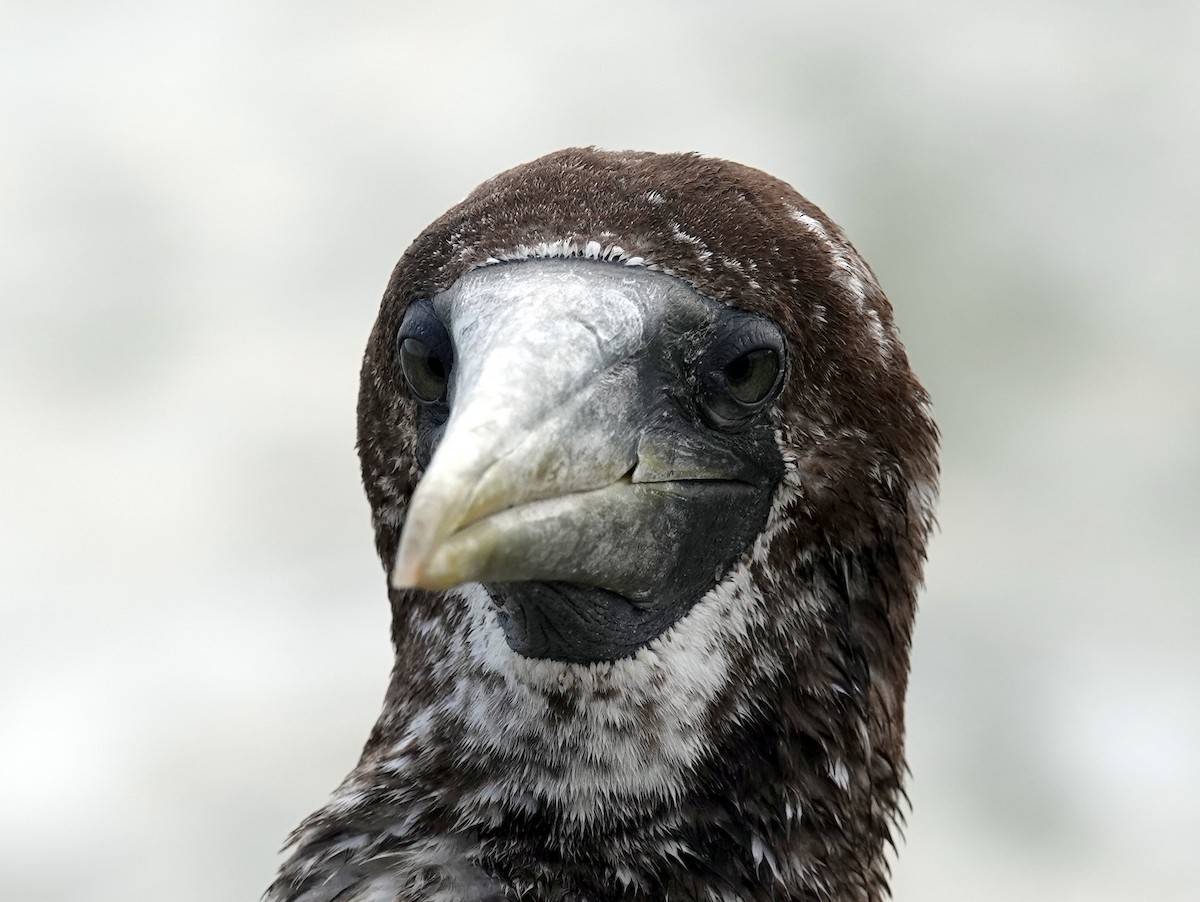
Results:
<point x="652" y="482"/>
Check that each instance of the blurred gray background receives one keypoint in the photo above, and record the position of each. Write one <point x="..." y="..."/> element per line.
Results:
<point x="202" y="204"/>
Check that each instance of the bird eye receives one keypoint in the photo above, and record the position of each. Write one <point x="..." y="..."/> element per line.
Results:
<point x="752" y="376"/>
<point x="742" y="370"/>
<point x="426" y="353"/>
<point x="425" y="372"/>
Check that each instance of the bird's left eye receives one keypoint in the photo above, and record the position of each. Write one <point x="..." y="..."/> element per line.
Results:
<point x="426" y="353"/>
<point x="751" y="376"/>
<point x="742" y="370"/>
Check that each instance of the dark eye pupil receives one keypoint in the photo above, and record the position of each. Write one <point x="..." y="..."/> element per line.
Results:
<point x="752" y="376"/>
<point x="424" y="370"/>
<point x="738" y="370"/>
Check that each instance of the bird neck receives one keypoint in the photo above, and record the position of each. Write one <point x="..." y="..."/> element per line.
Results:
<point x="710" y="743"/>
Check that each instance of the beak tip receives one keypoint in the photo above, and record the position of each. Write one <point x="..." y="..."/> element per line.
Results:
<point x="404" y="575"/>
<point x="419" y="574"/>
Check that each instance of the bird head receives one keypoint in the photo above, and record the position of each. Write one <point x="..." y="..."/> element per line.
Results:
<point x="592" y="380"/>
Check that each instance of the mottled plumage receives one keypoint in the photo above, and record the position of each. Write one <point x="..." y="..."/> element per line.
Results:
<point x="753" y="750"/>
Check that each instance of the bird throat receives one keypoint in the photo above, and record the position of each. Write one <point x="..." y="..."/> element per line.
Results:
<point x="580" y="624"/>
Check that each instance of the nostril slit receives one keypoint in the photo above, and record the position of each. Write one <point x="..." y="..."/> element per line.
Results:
<point x="628" y="477"/>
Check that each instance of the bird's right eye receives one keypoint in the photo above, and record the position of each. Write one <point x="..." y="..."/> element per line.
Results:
<point x="424" y="371"/>
<point x="426" y="353"/>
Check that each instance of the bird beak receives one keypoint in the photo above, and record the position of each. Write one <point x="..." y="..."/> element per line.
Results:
<point x="562" y="458"/>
